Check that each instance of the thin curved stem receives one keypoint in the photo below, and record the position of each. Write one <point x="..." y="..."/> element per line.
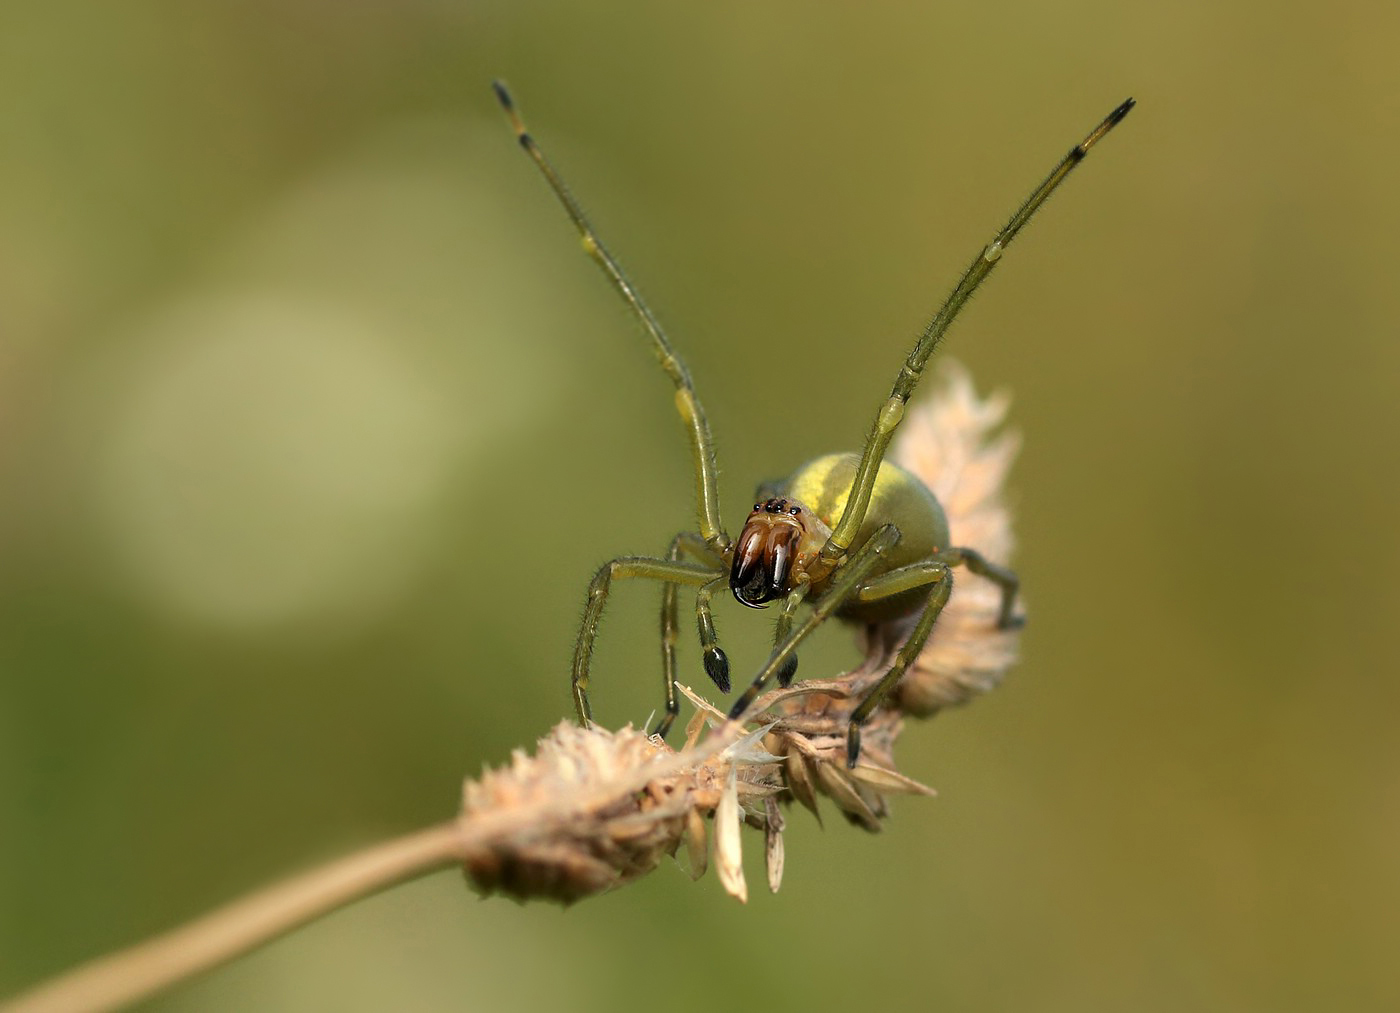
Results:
<point x="138" y="972"/>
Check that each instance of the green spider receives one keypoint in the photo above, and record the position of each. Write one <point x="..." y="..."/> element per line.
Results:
<point x="853" y="535"/>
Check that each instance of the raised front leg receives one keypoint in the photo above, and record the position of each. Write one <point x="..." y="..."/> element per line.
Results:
<point x="892" y="411"/>
<point x="687" y="401"/>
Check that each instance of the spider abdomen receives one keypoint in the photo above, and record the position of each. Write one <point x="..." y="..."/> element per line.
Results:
<point x="898" y="498"/>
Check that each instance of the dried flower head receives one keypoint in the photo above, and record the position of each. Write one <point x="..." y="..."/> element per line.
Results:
<point x="952" y="444"/>
<point x="593" y="809"/>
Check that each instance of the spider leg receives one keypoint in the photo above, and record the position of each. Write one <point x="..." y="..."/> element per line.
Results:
<point x="906" y="578"/>
<point x="892" y="411"/>
<point x="686" y="541"/>
<point x="669" y="570"/>
<point x="999" y="575"/>
<point x="934" y="572"/>
<point x="687" y="400"/>
<point x="784" y="624"/>
<point x="848" y="577"/>
<point x="716" y="662"/>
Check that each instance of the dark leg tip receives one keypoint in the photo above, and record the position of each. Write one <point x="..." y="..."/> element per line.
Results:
<point x="741" y="705"/>
<point x="717" y="668"/>
<point x="663" y="726"/>
<point x="786" y="673"/>
<point x="503" y="95"/>
<point x="852" y="746"/>
<point x="1012" y="622"/>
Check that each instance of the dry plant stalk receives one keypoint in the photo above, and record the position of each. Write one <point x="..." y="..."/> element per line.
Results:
<point x="592" y="809"/>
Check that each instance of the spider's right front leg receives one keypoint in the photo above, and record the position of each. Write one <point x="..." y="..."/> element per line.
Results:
<point x="669" y="570"/>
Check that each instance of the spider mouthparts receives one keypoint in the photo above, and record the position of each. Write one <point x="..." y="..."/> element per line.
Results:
<point x="756" y="594"/>
<point x="763" y="560"/>
<point x="747" y="579"/>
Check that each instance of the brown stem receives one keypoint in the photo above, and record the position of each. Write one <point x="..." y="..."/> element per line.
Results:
<point x="138" y="972"/>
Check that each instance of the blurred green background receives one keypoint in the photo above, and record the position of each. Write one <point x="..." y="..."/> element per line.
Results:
<point x="314" y="424"/>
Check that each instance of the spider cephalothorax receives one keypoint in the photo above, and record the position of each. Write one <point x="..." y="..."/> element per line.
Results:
<point x="778" y="543"/>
